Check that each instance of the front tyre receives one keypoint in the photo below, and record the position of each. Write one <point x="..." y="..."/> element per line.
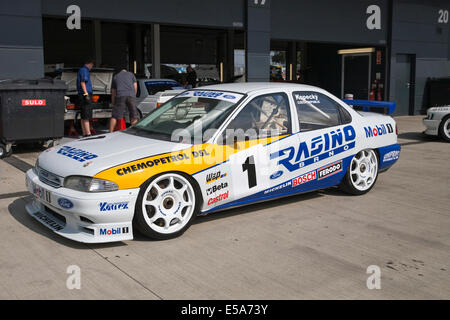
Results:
<point x="362" y="173"/>
<point x="166" y="206"/>
<point x="444" y="128"/>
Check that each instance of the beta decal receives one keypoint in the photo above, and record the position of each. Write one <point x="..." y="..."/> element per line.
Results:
<point x="216" y="188"/>
<point x="317" y="149"/>
<point x="76" y="154"/>
<point x="211" y="177"/>
<point x="65" y="203"/>
<point x="391" y="156"/>
<point x="219" y="198"/>
<point x="113" y="231"/>
<point x="329" y="170"/>
<point x="161" y="161"/>
<point x="310" y="176"/>
<point x="378" y="130"/>
<point x="105" y="206"/>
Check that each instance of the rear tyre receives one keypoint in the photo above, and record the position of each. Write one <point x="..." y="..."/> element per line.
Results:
<point x="166" y="206"/>
<point x="361" y="174"/>
<point x="444" y="128"/>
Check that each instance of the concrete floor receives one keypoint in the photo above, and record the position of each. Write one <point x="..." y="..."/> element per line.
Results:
<point x="314" y="246"/>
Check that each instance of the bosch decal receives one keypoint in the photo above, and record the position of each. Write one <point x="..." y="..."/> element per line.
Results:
<point x="65" y="203"/>
<point x="329" y="170"/>
<point x="113" y="231"/>
<point x="378" y="130"/>
<point x="219" y="198"/>
<point x="105" y="206"/>
<point x="310" y="176"/>
<point x="210" y="177"/>
<point x="76" y="154"/>
<point x="216" y="188"/>
<point x="319" y="148"/>
<point x="276" y="175"/>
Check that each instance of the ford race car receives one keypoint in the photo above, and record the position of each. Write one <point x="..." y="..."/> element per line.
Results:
<point x="438" y="122"/>
<point x="205" y="150"/>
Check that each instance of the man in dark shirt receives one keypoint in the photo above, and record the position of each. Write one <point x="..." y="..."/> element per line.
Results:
<point x="123" y="94"/>
<point x="84" y="88"/>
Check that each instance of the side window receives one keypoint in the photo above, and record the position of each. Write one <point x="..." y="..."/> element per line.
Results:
<point x="316" y="111"/>
<point x="266" y="115"/>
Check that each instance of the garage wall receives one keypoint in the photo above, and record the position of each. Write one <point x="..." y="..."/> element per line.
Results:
<point x="416" y="30"/>
<point x="21" y="49"/>
<point x="213" y="13"/>
<point x="328" y="21"/>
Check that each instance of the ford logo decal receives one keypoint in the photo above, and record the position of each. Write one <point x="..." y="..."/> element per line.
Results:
<point x="276" y="175"/>
<point x="65" y="203"/>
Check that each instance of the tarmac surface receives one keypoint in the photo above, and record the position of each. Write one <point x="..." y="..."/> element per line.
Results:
<point x="313" y="246"/>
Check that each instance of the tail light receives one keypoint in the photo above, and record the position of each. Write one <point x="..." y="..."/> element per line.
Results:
<point x="159" y="104"/>
<point x="396" y="129"/>
<point x="95" y="98"/>
<point x="70" y="107"/>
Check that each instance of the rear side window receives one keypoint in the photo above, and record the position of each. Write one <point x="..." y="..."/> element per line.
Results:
<point x="317" y="111"/>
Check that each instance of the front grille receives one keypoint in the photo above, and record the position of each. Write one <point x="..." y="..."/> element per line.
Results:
<point x="55" y="215"/>
<point x="49" y="178"/>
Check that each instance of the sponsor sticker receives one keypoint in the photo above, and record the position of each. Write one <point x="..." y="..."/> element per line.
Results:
<point x="219" y="198"/>
<point x="329" y="170"/>
<point x="279" y="187"/>
<point x="49" y="222"/>
<point x="34" y="102"/>
<point x="76" y="154"/>
<point x="216" y="188"/>
<point x="276" y="175"/>
<point x="378" y="130"/>
<point x="391" y="156"/>
<point x="214" y="176"/>
<point x="227" y="96"/>
<point x="113" y="231"/>
<point x="307" y="177"/>
<point x="65" y="203"/>
<point x="106" y="206"/>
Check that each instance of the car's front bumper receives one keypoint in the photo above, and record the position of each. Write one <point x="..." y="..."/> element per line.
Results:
<point x="432" y="126"/>
<point x="82" y="216"/>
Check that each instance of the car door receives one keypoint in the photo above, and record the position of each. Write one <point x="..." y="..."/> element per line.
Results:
<point x="326" y="143"/>
<point x="262" y="126"/>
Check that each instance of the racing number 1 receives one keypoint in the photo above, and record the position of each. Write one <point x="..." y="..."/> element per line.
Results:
<point x="249" y="166"/>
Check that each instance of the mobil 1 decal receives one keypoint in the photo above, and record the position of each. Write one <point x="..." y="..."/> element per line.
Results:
<point x="321" y="147"/>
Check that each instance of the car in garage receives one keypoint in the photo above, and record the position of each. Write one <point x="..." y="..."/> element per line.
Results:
<point x="205" y="150"/>
<point x="153" y="92"/>
<point x="437" y="122"/>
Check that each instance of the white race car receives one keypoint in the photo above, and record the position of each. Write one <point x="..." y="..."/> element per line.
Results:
<point x="205" y="150"/>
<point x="438" y="122"/>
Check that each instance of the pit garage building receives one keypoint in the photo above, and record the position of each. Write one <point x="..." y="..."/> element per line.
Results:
<point x="386" y="49"/>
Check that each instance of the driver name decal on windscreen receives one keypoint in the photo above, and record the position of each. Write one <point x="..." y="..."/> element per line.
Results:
<point x="227" y="96"/>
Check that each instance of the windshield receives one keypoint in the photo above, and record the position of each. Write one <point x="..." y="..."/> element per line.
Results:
<point x="154" y="87"/>
<point x="191" y="117"/>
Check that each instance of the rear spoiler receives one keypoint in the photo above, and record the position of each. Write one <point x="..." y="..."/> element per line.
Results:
<point x="387" y="106"/>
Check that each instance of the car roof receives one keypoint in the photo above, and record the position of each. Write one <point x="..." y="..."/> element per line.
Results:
<point x="248" y="87"/>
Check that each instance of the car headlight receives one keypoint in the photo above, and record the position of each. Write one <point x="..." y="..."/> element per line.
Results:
<point x="88" y="184"/>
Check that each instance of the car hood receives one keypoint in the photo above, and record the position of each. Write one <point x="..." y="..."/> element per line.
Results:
<point x="90" y="156"/>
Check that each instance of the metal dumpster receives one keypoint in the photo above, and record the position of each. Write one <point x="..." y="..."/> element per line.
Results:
<point x="30" y="110"/>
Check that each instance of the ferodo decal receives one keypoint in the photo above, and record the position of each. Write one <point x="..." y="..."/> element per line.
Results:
<point x="319" y="148"/>
<point x="329" y="170"/>
<point x="76" y="154"/>
<point x="378" y="130"/>
<point x="161" y="161"/>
